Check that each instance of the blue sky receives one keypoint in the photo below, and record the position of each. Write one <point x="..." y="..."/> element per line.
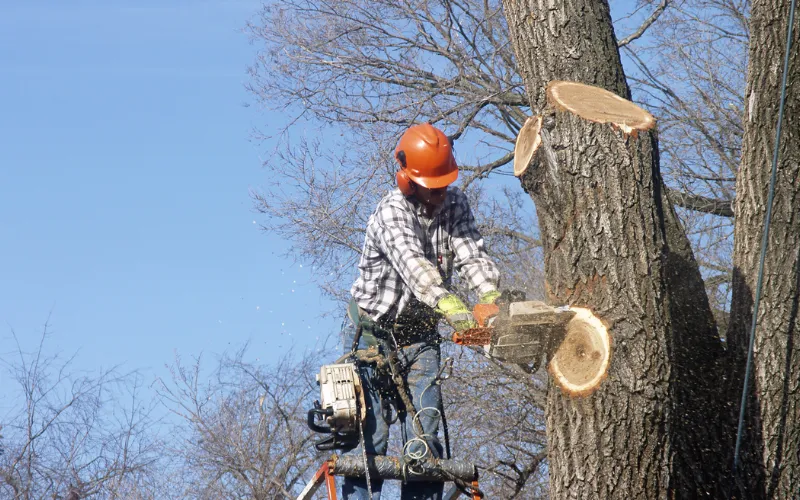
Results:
<point x="126" y="157"/>
<point x="126" y="160"/>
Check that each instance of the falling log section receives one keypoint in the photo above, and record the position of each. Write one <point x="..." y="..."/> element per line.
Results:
<point x="590" y="103"/>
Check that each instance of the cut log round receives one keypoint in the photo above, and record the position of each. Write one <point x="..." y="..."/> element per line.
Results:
<point x="581" y="362"/>
<point x="599" y="105"/>
<point x="528" y="141"/>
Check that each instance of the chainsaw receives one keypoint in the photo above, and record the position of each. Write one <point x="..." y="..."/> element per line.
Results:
<point x="341" y="407"/>
<point x="572" y="340"/>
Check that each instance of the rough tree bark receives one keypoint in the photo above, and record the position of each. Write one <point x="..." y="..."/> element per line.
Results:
<point x="771" y="456"/>
<point x="613" y="244"/>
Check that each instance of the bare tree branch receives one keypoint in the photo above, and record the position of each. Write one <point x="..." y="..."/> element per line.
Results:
<point x="244" y="433"/>
<point x="646" y="24"/>
<point x="701" y="203"/>
<point x="72" y="433"/>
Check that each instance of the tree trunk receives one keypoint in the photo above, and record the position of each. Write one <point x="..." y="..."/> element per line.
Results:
<point x="770" y="457"/>
<point x="612" y="243"/>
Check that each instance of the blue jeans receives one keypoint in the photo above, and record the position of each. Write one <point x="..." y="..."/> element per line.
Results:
<point x="422" y="360"/>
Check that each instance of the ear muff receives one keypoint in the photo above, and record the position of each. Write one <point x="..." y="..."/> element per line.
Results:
<point x="404" y="182"/>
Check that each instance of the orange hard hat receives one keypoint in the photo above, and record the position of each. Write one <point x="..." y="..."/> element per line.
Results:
<point x="426" y="156"/>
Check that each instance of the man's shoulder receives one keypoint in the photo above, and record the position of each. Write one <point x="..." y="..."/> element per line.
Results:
<point x="457" y="201"/>
<point x="396" y="200"/>
<point x="394" y="197"/>
<point x="456" y="195"/>
<point x="393" y="205"/>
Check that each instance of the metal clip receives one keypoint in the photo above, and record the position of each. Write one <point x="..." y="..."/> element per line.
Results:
<point x="446" y="370"/>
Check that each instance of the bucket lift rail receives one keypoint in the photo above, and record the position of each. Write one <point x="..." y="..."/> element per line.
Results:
<point x="382" y="467"/>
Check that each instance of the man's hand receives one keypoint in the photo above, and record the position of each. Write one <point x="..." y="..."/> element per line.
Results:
<point x="489" y="297"/>
<point x="456" y="313"/>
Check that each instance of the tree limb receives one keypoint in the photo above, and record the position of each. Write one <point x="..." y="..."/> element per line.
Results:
<point x="646" y="24"/>
<point x="723" y="208"/>
<point x="505" y="231"/>
<point x="718" y="279"/>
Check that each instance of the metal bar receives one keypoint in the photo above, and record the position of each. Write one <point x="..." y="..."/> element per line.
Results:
<point x="316" y="481"/>
<point x="455" y="492"/>
<point x="381" y="467"/>
<point x="476" y="495"/>
<point x="330" y="482"/>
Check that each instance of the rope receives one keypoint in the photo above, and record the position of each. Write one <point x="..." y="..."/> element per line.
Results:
<point x="764" y="240"/>
<point x="444" y="373"/>
<point x="364" y="451"/>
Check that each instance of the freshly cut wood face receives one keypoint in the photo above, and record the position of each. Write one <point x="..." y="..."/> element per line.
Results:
<point x="599" y="105"/>
<point x="528" y="141"/>
<point x="581" y="362"/>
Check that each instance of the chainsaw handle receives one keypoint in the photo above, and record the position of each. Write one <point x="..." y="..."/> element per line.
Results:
<point x="485" y="312"/>
<point x="326" y="444"/>
<point x="482" y="334"/>
<point x="313" y="413"/>
<point x="335" y="441"/>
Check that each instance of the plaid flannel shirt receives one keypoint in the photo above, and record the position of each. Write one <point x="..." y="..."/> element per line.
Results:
<point x="406" y="254"/>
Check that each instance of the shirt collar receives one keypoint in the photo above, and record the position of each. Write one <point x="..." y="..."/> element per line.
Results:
<point x="419" y="208"/>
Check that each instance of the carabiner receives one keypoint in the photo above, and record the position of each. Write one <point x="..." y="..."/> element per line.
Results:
<point x="446" y="370"/>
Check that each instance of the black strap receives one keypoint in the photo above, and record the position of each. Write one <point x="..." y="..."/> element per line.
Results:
<point x="356" y="338"/>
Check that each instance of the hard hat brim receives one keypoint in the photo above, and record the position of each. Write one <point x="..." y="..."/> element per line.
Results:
<point x="436" y="182"/>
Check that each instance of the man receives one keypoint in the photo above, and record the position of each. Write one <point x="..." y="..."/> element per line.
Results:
<point x="418" y="235"/>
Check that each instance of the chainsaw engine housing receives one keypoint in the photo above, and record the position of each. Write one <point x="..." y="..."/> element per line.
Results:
<point x="525" y="330"/>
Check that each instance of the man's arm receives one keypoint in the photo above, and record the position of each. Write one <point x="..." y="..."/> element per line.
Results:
<point x="404" y="251"/>
<point x="471" y="260"/>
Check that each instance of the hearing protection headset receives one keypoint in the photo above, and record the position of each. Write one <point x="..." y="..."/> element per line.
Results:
<point x="404" y="182"/>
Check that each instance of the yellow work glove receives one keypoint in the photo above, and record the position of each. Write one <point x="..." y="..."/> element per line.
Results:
<point x="456" y="313"/>
<point x="489" y="297"/>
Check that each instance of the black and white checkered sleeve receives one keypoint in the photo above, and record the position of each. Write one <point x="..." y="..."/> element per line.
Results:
<point x="471" y="260"/>
<point x="403" y="248"/>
